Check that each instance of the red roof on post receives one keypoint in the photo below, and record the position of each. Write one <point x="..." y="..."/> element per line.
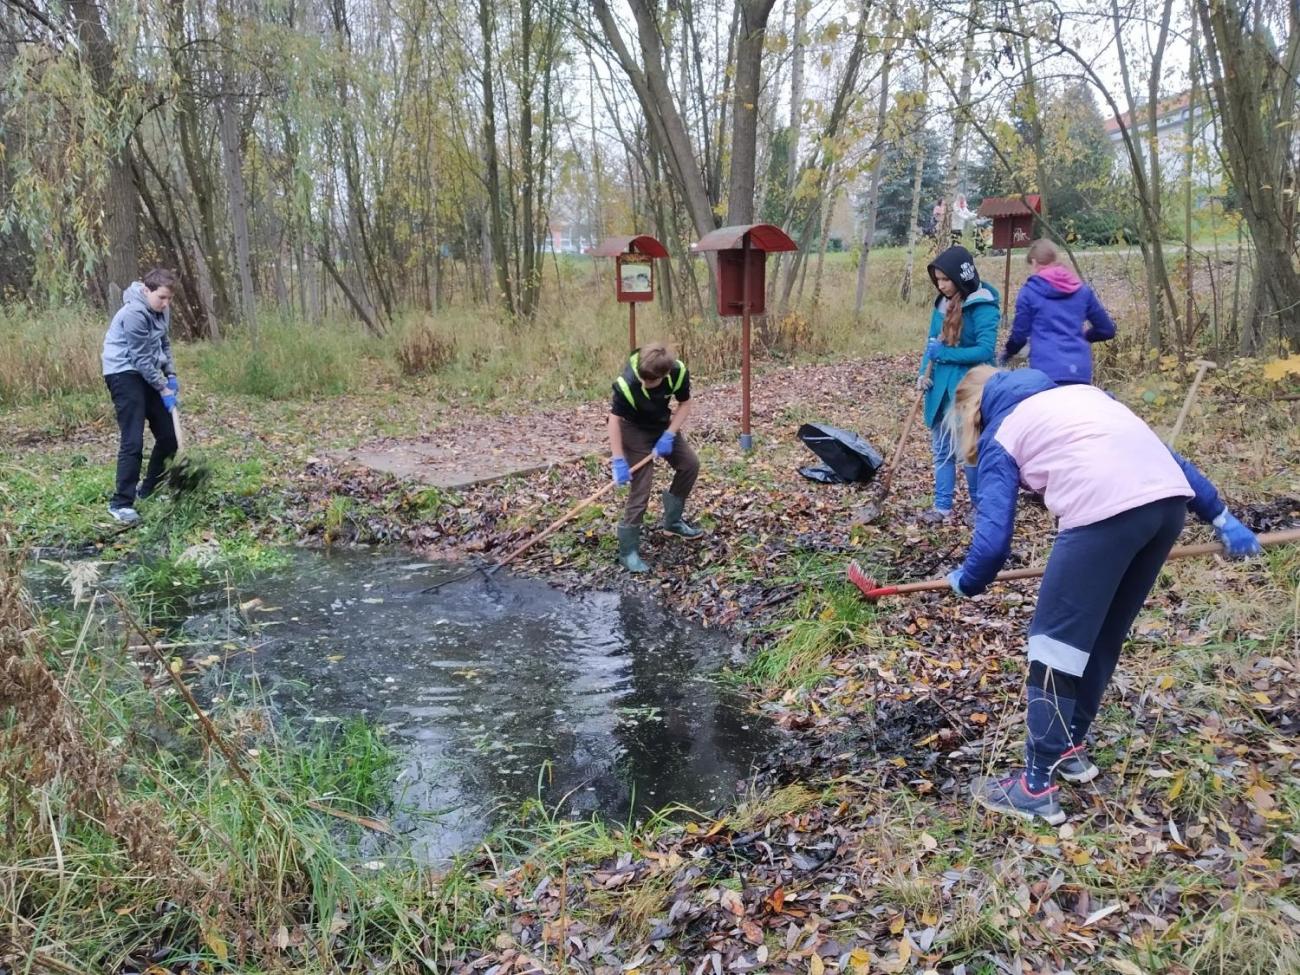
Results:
<point x="636" y="244"/>
<point x="762" y="236"/>
<point x="1010" y="206"/>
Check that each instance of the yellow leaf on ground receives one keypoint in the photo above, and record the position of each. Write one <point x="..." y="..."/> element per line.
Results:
<point x="1281" y="368"/>
<point x="1176" y="786"/>
<point x="815" y="965"/>
<point x="216" y="944"/>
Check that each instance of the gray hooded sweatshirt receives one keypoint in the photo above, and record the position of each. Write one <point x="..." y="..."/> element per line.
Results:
<point x="137" y="340"/>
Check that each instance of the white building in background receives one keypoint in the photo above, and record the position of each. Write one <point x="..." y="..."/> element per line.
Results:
<point x="1172" y="116"/>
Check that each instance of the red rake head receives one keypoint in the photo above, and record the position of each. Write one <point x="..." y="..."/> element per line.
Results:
<point x="867" y="585"/>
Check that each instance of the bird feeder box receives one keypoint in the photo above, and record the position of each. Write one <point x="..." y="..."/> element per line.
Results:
<point x="1013" y="227"/>
<point x="741" y="262"/>
<point x="634" y="273"/>
<point x="1013" y="219"/>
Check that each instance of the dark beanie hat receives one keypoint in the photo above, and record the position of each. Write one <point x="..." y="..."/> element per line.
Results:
<point x="959" y="265"/>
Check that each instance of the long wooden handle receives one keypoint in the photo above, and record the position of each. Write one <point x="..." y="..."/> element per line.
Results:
<point x="568" y="516"/>
<point x="176" y="426"/>
<point x="887" y="482"/>
<point x="1181" y="552"/>
<point x="1187" y="401"/>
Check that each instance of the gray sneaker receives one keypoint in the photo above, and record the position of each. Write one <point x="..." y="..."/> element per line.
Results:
<point x="935" y="517"/>
<point x="125" y="516"/>
<point x="1075" y="766"/>
<point x="1011" y="795"/>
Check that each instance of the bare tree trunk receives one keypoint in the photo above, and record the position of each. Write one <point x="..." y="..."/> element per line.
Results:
<point x="232" y="158"/>
<point x="1151" y="241"/>
<point x="495" y="230"/>
<point x="836" y="191"/>
<point x="1189" y="158"/>
<point x="238" y="200"/>
<point x="121" y="204"/>
<point x="961" y="114"/>
<point x="650" y="82"/>
<point x="918" y="177"/>
<point x="785" y="262"/>
<point x="873" y="194"/>
<point x="744" y="121"/>
<point x="1254" y="87"/>
<point x="1032" y="111"/>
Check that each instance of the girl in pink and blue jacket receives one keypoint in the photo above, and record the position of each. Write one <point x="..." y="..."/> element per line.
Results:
<point x="1121" y="496"/>
<point x="1059" y="316"/>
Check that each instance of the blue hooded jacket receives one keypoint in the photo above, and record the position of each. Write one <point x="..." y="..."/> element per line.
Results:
<point x="979" y="330"/>
<point x="999" y="480"/>
<point x="1051" y="310"/>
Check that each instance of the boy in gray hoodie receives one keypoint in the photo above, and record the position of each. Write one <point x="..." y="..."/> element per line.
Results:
<point x="141" y="377"/>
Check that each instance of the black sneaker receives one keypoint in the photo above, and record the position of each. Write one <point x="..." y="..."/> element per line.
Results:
<point x="1075" y="766"/>
<point x="1011" y="795"/>
<point x="142" y="493"/>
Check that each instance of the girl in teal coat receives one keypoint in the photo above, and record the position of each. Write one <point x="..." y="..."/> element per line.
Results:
<point x="963" y="333"/>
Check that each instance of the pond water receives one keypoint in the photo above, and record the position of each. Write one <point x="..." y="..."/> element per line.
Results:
<point x="494" y="693"/>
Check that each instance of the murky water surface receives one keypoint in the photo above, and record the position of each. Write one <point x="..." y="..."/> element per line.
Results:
<point x="496" y="693"/>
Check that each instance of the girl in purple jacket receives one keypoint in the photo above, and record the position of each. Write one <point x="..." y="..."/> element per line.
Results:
<point x="1121" y="496"/>
<point x="1059" y="316"/>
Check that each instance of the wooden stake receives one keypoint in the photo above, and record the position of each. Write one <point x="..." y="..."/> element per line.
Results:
<point x="746" y="438"/>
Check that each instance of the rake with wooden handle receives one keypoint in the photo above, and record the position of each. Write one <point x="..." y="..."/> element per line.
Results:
<point x="1202" y="367"/>
<point x="870" y="511"/>
<point x="547" y="532"/>
<point x="565" y="518"/>
<point x="872" y="590"/>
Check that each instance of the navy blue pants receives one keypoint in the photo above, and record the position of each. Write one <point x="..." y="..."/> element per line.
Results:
<point x="1098" y="576"/>
<point x="136" y="403"/>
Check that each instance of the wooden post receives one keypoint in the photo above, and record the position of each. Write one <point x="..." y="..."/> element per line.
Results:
<point x="1006" y="285"/>
<point x="631" y="326"/>
<point x="746" y="438"/>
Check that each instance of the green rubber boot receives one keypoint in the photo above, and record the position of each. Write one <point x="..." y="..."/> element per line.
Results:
<point x="629" y="544"/>
<point x="673" y="521"/>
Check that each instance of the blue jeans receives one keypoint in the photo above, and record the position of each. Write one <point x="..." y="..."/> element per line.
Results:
<point x="945" y="469"/>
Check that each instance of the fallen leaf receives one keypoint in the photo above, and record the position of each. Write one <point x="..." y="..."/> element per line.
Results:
<point x="1100" y="913"/>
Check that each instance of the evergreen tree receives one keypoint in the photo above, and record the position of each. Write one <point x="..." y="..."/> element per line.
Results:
<point x="896" y="187"/>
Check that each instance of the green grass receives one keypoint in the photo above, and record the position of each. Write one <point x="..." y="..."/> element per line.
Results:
<point x="283" y="360"/>
<point x="830" y="618"/>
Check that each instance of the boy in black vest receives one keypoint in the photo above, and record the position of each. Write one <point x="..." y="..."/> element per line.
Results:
<point x="641" y="422"/>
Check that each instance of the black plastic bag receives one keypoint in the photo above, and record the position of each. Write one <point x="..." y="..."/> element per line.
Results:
<point x="847" y="458"/>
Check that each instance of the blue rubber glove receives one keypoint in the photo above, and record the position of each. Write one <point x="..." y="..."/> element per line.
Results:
<point x="954" y="580"/>
<point x="622" y="474"/>
<point x="1239" y="542"/>
<point x="664" y="445"/>
<point x="933" y="348"/>
<point x="169" y="398"/>
<point x="174" y="384"/>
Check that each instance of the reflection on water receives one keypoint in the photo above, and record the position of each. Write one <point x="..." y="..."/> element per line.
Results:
<point x="603" y="700"/>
